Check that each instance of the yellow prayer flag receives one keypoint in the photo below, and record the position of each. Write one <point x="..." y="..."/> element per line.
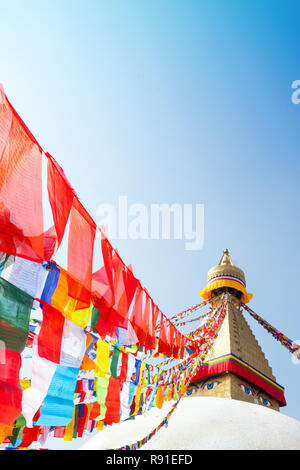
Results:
<point x="102" y="358"/>
<point x="99" y="425"/>
<point x="82" y="317"/>
<point x="5" y="431"/>
<point x="68" y="435"/>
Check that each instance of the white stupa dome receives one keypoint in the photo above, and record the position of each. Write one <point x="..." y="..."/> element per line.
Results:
<point x="209" y="423"/>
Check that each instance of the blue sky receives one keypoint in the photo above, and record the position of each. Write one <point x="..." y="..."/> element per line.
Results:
<point x="175" y="102"/>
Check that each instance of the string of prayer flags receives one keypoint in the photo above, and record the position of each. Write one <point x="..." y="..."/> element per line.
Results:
<point x="102" y="321"/>
<point x="182" y="323"/>
<point x="178" y="316"/>
<point x="141" y="442"/>
<point x="292" y="347"/>
<point x="208" y="329"/>
<point x="191" y="309"/>
<point x="133" y="398"/>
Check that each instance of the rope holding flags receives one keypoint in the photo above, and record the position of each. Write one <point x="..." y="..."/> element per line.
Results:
<point x="189" y="310"/>
<point x="289" y="344"/>
<point x="141" y="442"/>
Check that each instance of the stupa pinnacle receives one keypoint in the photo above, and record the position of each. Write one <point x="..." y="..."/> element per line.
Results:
<point x="226" y="275"/>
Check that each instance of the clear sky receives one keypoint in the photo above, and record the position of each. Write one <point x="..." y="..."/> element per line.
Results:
<point x="170" y="101"/>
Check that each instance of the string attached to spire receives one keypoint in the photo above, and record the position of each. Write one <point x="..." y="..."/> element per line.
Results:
<point x="288" y="343"/>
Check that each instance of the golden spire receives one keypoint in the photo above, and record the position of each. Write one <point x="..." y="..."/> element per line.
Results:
<point x="226" y="258"/>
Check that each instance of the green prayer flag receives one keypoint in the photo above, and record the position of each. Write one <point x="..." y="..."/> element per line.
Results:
<point x="101" y="392"/>
<point x="149" y="376"/>
<point x="75" y="422"/>
<point x="114" y="362"/>
<point x="15" y="309"/>
<point x="95" y="318"/>
<point x="175" y="393"/>
<point x="19" y="425"/>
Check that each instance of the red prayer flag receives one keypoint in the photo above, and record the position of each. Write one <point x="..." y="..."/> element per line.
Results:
<point x="124" y="367"/>
<point x="136" y="318"/>
<point x="102" y="280"/>
<point x="120" y="304"/>
<point x="125" y="285"/>
<point x="95" y="411"/>
<point x="163" y="345"/>
<point x="59" y="431"/>
<point x="51" y="333"/>
<point x="30" y="435"/>
<point x="147" y="323"/>
<point x="155" y="312"/>
<point x="82" y="421"/>
<point x="171" y="339"/>
<point x="10" y="390"/>
<point x="113" y="402"/>
<point x="21" y="209"/>
<point x="176" y="345"/>
<point x="80" y="253"/>
<point x="60" y="195"/>
<point x="182" y="346"/>
<point x="131" y="283"/>
<point x="114" y="282"/>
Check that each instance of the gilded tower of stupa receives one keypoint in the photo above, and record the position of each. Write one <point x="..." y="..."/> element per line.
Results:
<point x="235" y="366"/>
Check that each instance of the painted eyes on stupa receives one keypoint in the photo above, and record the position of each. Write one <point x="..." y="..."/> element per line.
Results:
<point x="265" y="402"/>
<point x="262" y="399"/>
<point x="245" y="389"/>
<point x="192" y="389"/>
<point x="206" y="386"/>
<point x="211" y="385"/>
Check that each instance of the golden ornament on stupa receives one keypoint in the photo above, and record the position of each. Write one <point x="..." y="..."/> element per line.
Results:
<point x="226" y="275"/>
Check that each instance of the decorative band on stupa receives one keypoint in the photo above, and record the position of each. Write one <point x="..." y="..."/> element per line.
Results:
<point x="226" y="278"/>
<point x="232" y="363"/>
